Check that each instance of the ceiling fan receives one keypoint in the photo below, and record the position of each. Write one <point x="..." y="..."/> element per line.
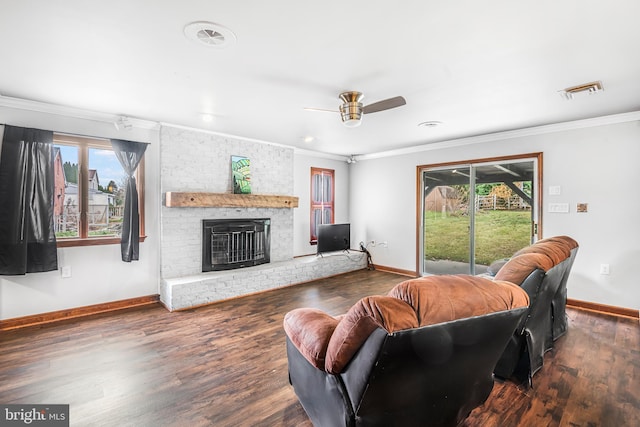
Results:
<point x="351" y="110"/>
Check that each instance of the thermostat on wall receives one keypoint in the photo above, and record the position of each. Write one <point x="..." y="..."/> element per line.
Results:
<point x="554" y="190"/>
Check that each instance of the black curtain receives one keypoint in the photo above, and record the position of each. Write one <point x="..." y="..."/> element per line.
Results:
<point x="27" y="234"/>
<point x="129" y="154"/>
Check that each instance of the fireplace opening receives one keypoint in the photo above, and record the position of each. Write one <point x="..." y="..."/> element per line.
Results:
<point x="235" y="243"/>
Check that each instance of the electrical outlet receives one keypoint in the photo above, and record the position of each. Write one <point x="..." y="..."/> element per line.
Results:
<point x="66" y="272"/>
<point x="604" y="268"/>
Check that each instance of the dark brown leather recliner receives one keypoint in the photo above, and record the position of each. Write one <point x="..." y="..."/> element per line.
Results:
<point x="423" y="355"/>
<point x="559" y="301"/>
<point x="542" y="270"/>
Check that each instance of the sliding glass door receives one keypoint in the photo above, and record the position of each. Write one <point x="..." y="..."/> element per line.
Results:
<point x="476" y="213"/>
<point x="447" y="236"/>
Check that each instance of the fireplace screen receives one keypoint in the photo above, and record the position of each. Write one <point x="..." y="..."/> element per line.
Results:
<point x="234" y="243"/>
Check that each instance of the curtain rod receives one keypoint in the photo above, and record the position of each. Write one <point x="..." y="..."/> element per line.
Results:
<point x="75" y="134"/>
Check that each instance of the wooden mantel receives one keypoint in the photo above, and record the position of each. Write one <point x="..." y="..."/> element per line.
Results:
<point x="226" y="200"/>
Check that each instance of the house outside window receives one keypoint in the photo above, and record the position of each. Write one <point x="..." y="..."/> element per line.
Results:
<point x="322" y="199"/>
<point x="90" y="192"/>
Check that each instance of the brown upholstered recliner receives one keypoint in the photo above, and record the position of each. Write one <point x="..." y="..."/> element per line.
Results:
<point x="423" y="355"/>
<point x="542" y="270"/>
<point x="559" y="302"/>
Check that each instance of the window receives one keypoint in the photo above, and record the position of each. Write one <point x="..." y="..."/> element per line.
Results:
<point x="90" y="192"/>
<point x="322" y="196"/>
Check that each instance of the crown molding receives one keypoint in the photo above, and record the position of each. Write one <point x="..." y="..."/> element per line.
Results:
<point x="221" y="134"/>
<point x="79" y="113"/>
<point x="296" y="150"/>
<point x="311" y="153"/>
<point x="73" y="112"/>
<point x="517" y="133"/>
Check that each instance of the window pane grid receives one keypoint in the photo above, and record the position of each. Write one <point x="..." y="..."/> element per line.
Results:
<point x="322" y="194"/>
<point x="89" y="191"/>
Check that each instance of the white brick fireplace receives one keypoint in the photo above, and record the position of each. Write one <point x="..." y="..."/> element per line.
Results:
<point x="193" y="161"/>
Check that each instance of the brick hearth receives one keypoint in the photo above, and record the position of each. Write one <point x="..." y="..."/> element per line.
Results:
<point x="190" y="291"/>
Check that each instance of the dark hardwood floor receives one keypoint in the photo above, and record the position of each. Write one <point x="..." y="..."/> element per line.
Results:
<point x="225" y="365"/>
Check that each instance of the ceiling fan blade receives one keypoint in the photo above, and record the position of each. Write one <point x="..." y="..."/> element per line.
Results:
<point x="385" y="104"/>
<point x="324" y="110"/>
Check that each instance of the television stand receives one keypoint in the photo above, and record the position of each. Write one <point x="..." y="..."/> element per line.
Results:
<point x="321" y="254"/>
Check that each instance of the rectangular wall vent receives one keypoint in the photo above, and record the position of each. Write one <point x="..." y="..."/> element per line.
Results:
<point x="588" y="88"/>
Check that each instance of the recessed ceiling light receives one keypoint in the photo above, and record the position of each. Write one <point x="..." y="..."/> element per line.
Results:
<point x="308" y="139"/>
<point x="209" y="34"/>
<point x="429" y="124"/>
<point x="207" y="118"/>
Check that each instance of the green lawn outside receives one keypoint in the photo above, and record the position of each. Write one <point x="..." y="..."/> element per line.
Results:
<point x="499" y="234"/>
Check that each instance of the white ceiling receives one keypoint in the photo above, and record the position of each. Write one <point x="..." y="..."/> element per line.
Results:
<point x="476" y="66"/>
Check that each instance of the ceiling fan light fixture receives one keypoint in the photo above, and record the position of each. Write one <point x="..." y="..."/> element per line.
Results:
<point x="351" y="110"/>
<point x="351" y="114"/>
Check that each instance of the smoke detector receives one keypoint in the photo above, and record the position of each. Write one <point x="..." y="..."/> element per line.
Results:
<point x="209" y="34"/>
<point x="590" y="88"/>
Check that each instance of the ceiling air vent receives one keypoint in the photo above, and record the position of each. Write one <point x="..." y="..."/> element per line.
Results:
<point x="589" y="88"/>
<point x="209" y="34"/>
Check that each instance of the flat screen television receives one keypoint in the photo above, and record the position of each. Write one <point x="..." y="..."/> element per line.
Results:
<point x="333" y="237"/>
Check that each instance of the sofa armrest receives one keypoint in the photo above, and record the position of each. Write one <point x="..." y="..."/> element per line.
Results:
<point x="310" y="330"/>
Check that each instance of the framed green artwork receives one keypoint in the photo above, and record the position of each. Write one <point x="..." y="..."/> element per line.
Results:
<point x="241" y="175"/>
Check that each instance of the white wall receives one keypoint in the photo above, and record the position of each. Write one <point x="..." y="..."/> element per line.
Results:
<point x="595" y="165"/>
<point x="302" y="165"/>
<point x="98" y="273"/>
